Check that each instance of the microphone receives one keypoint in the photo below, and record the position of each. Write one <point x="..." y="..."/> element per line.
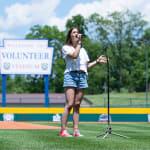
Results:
<point x="82" y="35"/>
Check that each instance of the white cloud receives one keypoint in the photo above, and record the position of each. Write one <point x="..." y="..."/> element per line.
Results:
<point x="4" y="35"/>
<point x="35" y="12"/>
<point x="104" y="7"/>
<point x="43" y="11"/>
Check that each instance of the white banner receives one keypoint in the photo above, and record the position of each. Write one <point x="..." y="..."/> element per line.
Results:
<point x="148" y="117"/>
<point x="26" y="57"/>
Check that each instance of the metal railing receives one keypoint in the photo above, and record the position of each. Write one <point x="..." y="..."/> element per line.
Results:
<point x="120" y="102"/>
<point x="94" y="101"/>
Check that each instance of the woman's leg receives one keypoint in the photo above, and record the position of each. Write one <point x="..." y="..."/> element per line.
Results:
<point x="78" y="98"/>
<point x="70" y="96"/>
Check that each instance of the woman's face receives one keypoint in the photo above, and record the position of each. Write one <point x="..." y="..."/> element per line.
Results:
<point x="74" y="35"/>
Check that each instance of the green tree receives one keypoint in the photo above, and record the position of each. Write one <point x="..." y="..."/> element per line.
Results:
<point x="9" y="84"/>
<point x="35" y="83"/>
<point x="77" y="21"/>
<point x="19" y="85"/>
<point x="120" y="32"/>
<point x="139" y="74"/>
<point x="56" y="39"/>
<point x="97" y="74"/>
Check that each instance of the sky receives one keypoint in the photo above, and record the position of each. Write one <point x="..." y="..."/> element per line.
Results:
<point x="18" y="16"/>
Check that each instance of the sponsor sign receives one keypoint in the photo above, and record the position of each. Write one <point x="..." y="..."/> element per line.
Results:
<point x="8" y="117"/>
<point x="26" y="57"/>
<point x="148" y="117"/>
<point x="104" y="117"/>
<point x="56" y="117"/>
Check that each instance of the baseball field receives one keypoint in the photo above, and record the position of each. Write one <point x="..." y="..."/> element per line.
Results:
<point x="45" y="136"/>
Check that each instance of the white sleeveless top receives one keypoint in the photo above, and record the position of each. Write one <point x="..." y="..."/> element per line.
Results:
<point x="75" y="64"/>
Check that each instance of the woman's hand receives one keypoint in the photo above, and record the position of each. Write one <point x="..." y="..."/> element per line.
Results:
<point x="79" y="36"/>
<point x="102" y="59"/>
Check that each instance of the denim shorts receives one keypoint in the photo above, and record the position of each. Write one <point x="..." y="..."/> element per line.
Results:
<point x="75" y="79"/>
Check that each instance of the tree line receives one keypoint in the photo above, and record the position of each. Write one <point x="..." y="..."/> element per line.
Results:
<point x="124" y="34"/>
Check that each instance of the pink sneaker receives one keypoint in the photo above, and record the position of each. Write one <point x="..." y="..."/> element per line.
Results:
<point x="64" y="133"/>
<point x="77" y="133"/>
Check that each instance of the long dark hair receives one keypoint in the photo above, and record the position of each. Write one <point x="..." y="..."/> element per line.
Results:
<point x="68" y="40"/>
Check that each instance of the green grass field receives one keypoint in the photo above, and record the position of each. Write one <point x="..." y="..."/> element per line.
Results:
<point x="139" y="134"/>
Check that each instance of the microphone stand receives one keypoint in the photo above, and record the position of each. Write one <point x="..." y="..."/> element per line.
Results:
<point x="108" y="131"/>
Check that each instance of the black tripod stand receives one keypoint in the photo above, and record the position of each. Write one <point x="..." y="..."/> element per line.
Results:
<point x="108" y="131"/>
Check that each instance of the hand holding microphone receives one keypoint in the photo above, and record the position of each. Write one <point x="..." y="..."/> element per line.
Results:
<point x="80" y="36"/>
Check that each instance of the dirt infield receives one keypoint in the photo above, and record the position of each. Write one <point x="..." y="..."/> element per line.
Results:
<point x="32" y="125"/>
<point x="23" y="125"/>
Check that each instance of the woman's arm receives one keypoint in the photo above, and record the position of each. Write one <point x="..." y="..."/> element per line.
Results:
<point x="101" y="59"/>
<point x="75" y="54"/>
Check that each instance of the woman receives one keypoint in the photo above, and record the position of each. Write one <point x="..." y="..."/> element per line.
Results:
<point x="77" y="63"/>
